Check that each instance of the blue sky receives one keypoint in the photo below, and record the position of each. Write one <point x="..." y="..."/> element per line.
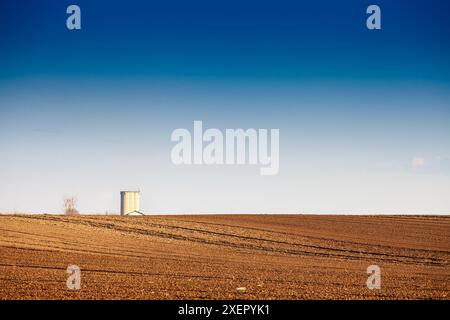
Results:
<point x="363" y="115"/>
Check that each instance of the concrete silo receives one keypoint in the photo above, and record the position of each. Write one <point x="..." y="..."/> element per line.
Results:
<point x="129" y="202"/>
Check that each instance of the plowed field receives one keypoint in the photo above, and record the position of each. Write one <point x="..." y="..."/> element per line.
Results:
<point x="211" y="256"/>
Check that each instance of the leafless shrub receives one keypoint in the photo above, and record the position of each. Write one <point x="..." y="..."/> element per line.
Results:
<point x="70" y="206"/>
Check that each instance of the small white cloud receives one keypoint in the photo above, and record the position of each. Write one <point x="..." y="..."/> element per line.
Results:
<point x="442" y="158"/>
<point x="418" y="162"/>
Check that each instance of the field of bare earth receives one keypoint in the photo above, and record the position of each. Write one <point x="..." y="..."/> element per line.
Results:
<point x="224" y="256"/>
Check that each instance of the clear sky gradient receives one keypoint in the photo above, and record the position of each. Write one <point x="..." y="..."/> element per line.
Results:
<point x="364" y="116"/>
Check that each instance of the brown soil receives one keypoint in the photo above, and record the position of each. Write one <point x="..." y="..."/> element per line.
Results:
<point x="210" y="256"/>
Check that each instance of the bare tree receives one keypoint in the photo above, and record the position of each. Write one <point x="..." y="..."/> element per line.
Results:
<point x="70" y="206"/>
